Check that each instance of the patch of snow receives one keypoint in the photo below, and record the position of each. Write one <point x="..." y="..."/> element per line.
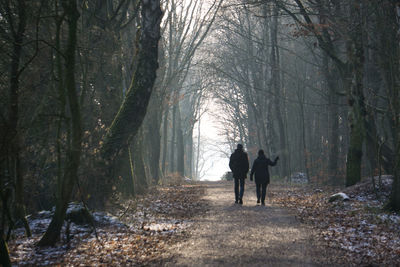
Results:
<point x="74" y="207"/>
<point x="299" y="178"/>
<point x="107" y="219"/>
<point x="339" y="196"/>
<point x="394" y="218"/>
<point x="361" y="198"/>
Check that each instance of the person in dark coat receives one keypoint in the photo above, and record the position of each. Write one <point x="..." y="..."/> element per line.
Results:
<point x="260" y="170"/>
<point x="239" y="164"/>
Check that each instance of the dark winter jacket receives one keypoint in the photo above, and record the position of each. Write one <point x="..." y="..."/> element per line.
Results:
<point x="239" y="164"/>
<point x="260" y="169"/>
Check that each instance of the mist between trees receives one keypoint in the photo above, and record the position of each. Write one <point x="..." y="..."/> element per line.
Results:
<point x="101" y="98"/>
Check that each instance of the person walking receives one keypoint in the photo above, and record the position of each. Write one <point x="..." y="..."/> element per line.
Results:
<point x="239" y="164"/>
<point x="261" y="173"/>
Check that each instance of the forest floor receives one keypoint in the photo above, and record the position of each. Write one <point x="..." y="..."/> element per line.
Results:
<point x="199" y="225"/>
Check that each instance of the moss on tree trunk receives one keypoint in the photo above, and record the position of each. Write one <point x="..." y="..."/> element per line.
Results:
<point x="133" y="109"/>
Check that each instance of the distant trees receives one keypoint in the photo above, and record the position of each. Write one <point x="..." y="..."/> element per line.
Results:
<point x="320" y="66"/>
<point x="247" y="63"/>
<point x="172" y="112"/>
<point x="355" y="33"/>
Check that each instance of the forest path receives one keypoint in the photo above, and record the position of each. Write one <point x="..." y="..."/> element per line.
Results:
<point x="229" y="234"/>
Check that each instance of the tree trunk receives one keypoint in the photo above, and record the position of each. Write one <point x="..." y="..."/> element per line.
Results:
<point x="154" y="137"/>
<point x="197" y="160"/>
<point x="189" y="153"/>
<point x="133" y="109"/>
<point x="13" y="119"/>
<point x="390" y="55"/>
<point x="139" y="168"/>
<point x="371" y="142"/>
<point x="356" y="99"/>
<point x="180" y="143"/>
<point x="4" y="253"/>
<point x="132" y="190"/>
<point x="171" y="160"/>
<point x="394" y="202"/>
<point x="275" y="74"/>
<point x="66" y="185"/>
<point x="165" y="142"/>
<point x="333" y="113"/>
<point x="303" y="129"/>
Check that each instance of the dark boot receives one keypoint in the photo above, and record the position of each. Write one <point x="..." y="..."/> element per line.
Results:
<point x="240" y="201"/>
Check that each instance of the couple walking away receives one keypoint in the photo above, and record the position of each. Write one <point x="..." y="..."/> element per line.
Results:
<point x="239" y="164"/>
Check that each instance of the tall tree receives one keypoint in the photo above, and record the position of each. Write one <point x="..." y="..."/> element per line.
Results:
<point x="389" y="53"/>
<point x="133" y="109"/>
<point x="17" y="32"/>
<point x="67" y="181"/>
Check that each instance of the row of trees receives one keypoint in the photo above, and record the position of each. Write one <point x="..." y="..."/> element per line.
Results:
<point x="313" y="81"/>
<point x="98" y="98"/>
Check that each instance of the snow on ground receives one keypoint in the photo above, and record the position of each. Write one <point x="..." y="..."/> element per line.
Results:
<point x="138" y="232"/>
<point x="361" y="228"/>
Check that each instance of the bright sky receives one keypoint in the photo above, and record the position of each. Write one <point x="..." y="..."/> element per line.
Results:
<point x="216" y="163"/>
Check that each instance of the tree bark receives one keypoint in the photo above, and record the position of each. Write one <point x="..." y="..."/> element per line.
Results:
<point x="189" y="153"/>
<point x="139" y="168"/>
<point x="333" y="119"/>
<point x="197" y="159"/>
<point x="394" y="202"/>
<point x="356" y="98"/>
<point x="4" y="253"/>
<point x="390" y="55"/>
<point x="132" y="183"/>
<point x="275" y="74"/>
<point x="180" y="142"/>
<point x="171" y="160"/>
<point x="133" y="109"/>
<point x="301" y="96"/>
<point x="154" y="142"/>
<point x="13" y="111"/>
<point x="165" y="142"/>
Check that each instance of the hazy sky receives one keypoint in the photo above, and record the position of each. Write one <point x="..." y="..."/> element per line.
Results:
<point x="216" y="163"/>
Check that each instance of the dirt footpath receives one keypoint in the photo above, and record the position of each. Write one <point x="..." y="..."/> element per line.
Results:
<point x="233" y="235"/>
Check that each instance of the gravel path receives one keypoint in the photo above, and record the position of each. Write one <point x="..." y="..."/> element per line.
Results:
<point x="232" y="235"/>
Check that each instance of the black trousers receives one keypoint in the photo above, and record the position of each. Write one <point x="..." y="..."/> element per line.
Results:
<point x="263" y="188"/>
<point x="239" y="193"/>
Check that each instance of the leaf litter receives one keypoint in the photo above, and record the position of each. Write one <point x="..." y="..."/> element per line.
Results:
<point x="361" y="230"/>
<point x="136" y="232"/>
